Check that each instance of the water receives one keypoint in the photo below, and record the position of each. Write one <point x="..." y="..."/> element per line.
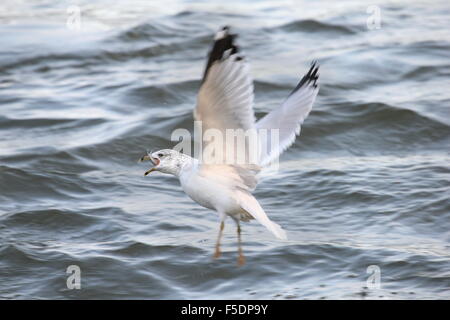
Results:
<point x="366" y="184"/>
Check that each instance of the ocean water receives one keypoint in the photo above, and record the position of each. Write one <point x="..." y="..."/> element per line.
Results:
<point x="363" y="193"/>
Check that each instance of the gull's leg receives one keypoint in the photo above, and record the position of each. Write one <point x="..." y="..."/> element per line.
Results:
<point x="217" y="252"/>
<point x="241" y="258"/>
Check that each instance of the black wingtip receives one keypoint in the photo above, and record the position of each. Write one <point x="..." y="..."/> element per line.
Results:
<point x="223" y="41"/>
<point x="311" y="77"/>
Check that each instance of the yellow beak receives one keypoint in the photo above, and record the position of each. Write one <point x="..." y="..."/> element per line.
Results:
<point x="149" y="171"/>
<point x="144" y="158"/>
<point x="148" y="157"/>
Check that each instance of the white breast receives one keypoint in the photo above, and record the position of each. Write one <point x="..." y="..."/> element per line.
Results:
<point x="207" y="192"/>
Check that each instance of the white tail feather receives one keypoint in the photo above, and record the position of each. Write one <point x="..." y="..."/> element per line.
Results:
<point x="251" y="205"/>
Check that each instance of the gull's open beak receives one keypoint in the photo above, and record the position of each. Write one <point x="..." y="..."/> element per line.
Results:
<point x="145" y="158"/>
<point x="148" y="157"/>
<point x="149" y="171"/>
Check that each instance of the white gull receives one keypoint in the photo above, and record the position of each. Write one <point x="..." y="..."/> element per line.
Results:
<point x="225" y="101"/>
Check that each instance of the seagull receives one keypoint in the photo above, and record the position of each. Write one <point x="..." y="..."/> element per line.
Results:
<point x="225" y="101"/>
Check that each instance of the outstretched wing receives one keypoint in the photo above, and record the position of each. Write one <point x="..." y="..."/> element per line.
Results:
<point x="288" y="117"/>
<point x="225" y="99"/>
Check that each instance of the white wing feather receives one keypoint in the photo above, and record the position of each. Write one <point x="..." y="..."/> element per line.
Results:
<point x="288" y="118"/>
<point x="225" y="99"/>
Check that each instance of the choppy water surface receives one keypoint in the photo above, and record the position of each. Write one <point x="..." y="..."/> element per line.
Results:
<point x="366" y="184"/>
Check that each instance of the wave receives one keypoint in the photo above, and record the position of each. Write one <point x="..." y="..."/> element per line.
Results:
<point x="398" y="124"/>
<point x="312" y="26"/>
<point x="37" y="183"/>
<point x="48" y="219"/>
<point x="121" y="53"/>
<point x="427" y="72"/>
<point x="66" y="123"/>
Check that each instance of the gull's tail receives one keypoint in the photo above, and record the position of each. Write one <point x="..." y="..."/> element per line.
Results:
<point x="251" y="205"/>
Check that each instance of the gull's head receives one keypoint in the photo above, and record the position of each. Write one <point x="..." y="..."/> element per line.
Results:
<point x="165" y="161"/>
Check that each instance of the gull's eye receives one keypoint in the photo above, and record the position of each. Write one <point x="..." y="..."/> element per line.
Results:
<point x="160" y="155"/>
